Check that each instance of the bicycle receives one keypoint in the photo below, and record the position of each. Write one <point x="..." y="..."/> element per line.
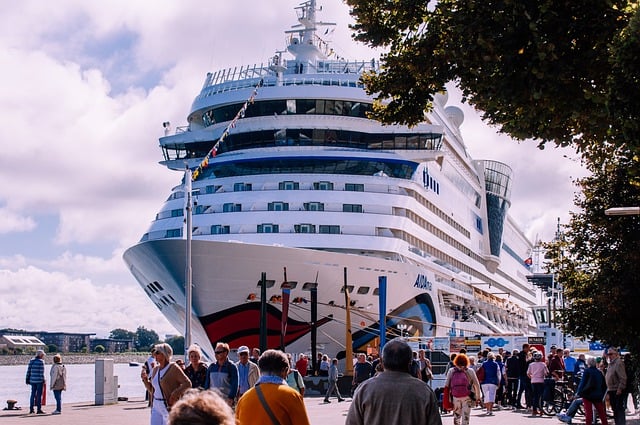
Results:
<point x="562" y="396"/>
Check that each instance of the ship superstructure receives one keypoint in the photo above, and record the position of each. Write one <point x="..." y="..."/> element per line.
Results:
<point x="305" y="181"/>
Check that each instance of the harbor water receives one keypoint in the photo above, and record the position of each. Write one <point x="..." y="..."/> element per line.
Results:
<point x="80" y="384"/>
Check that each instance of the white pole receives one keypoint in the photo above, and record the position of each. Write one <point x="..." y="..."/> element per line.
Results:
<point x="188" y="282"/>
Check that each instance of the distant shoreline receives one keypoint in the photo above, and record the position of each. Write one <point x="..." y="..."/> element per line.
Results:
<point x="75" y="358"/>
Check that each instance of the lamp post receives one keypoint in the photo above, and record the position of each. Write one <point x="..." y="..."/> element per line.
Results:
<point x="402" y="327"/>
<point x="622" y="211"/>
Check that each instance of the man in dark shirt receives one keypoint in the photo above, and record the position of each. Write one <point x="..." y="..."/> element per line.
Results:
<point x="361" y="371"/>
<point x="513" y="377"/>
<point x="525" y="382"/>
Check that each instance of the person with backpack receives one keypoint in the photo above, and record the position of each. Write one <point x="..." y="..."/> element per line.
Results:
<point x="463" y="387"/>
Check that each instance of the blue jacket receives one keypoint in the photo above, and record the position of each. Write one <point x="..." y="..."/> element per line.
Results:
<point x="491" y="372"/>
<point x="35" y="371"/>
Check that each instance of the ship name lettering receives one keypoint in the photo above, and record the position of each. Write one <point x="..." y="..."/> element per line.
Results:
<point x="422" y="283"/>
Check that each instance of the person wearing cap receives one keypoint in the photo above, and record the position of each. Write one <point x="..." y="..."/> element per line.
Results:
<point x="35" y="378"/>
<point x="248" y="372"/>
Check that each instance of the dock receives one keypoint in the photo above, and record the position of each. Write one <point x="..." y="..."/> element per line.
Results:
<point x="134" y="412"/>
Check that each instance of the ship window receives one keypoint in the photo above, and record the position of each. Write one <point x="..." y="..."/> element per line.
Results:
<point x="177" y="213"/>
<point x="218" y="229"/>
<point x="376" y="291"/>
<point x="278" y="206"/>
<point x="211" y="189"/>
<point x="304" y="228"/>
<point x="330" y="229"/>
<point x="313" y="206"/>
<point x="289" y="185"/>
<point x="363" y="290"/>
<point x="242" y="187"/>
<point x="309" y="286"/>
<point x="354" y="187"/>
<point x="323" y="185"/>
<point x="173" y="233"/>
<point x="349" y="288"/>
<point x="291" y="106"/>
<point x="176" y="195"/>
<point x="200" y="209"/>
<point x="268" y="228"/>
<point x="231" y="207"/>
<point x="352" y="208"/>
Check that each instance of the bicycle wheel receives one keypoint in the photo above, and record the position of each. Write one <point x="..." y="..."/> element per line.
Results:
<point x="555" y="406"/>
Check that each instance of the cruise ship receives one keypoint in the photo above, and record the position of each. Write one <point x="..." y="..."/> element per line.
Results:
<point x="288" y="182"/>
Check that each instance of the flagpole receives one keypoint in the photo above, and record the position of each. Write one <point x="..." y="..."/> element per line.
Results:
<point x="189" y="277"/>
<point x="349" y="340"/>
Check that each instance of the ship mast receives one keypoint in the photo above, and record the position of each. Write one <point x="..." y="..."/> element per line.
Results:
<point x="303" y="43"/>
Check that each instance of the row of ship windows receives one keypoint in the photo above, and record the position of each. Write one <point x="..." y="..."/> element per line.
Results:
<point x="327" y="185"/>
<point x="271" y="206"/>
<point x="284" y="185"/>
<point x="288" y="107"/>
<point x="218" y="229"/>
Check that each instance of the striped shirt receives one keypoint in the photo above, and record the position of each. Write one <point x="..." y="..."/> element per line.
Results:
<point x="35" y="371"/>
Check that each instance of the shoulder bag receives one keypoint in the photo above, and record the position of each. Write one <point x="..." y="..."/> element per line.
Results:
<point x="266" y="407"/>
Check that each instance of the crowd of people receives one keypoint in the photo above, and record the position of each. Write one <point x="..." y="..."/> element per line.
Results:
<point x="525" y="380"/>
<point x="392" y="388"/>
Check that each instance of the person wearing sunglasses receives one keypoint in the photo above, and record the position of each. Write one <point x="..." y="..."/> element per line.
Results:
<point x="223" y="374"/>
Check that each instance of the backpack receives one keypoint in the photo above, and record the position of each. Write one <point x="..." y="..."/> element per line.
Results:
<point x="459" y="383"/>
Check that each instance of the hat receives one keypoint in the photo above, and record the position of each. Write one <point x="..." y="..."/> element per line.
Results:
<point x="39" y="353"/>
<point x="243" y="349"/>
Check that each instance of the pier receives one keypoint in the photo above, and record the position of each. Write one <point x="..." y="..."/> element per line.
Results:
<point x="136" y="412"/>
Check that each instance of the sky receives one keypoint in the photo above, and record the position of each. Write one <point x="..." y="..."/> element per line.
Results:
<point x="86" y="86"/>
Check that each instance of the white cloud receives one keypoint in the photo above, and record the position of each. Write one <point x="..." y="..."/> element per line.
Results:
<point x="37" y="299"/>
<point x="13" y="222"/>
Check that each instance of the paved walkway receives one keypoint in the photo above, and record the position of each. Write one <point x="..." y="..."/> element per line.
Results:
<point x="135" y="412"/>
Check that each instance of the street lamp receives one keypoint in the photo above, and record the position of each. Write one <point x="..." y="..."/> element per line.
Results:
<point x="622" y="211"/>
<point x="402" y="327"/>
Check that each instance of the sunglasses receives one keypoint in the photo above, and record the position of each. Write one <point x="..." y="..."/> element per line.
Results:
<point x="219" y="352"/>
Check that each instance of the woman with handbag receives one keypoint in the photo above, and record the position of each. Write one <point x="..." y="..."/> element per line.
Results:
<point x="166" y="384"/>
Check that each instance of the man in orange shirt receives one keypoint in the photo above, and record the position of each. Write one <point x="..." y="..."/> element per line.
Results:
<point x="271" y="400"/>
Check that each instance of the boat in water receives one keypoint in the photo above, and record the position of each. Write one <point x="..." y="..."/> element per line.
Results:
<point x="290" y="178"/>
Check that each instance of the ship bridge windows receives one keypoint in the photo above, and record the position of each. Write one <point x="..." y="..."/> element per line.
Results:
<point x="363" y="290"/>
<point x="313" y="206"/>
<point x="278" y="206"/>
<point x="323" y="185"/>
<point x="242" y="187"/>
<point x="306" y="137"/>
<point x="288" y="185"/>
<point x="231" y="207"/>
<point x="290" y="107"/>
<point x="357" y="208"/>
<point x="349" y="288"/>
<point x="268" y="228"/>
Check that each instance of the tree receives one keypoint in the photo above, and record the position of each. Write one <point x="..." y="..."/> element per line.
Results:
<point x="565" y="72"/>
<point x="122" y="334"/>
<point x="145" y="338"/>
<point x="177" y="344"/>
<point x="597" y="261"/>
